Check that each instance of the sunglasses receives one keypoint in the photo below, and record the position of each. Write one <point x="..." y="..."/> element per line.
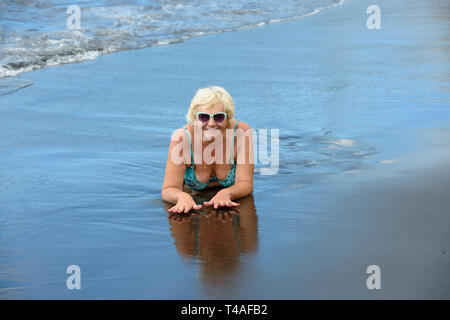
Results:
<point x="204" y="117"/>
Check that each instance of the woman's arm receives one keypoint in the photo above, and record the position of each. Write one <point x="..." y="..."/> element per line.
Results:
<point x="238" y="190"/>
<point x="245" y="167"/>
<point x="172" y="189"/>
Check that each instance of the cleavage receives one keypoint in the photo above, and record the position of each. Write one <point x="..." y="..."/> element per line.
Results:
<point x="204" y="176"/>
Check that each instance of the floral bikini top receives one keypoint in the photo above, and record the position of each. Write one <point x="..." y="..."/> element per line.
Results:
<point x="189" y="174"/>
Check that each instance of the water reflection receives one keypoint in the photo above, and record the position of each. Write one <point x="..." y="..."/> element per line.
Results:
<point x="217" y="238"/>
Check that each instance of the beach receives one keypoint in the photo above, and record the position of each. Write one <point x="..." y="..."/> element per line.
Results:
<point x="363" y="179"/>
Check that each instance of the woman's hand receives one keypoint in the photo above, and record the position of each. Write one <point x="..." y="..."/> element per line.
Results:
<point x="222" y="198"/>
<point x="184" y="204"/>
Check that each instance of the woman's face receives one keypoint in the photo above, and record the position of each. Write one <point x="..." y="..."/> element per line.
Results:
<point x="211" y="124"/>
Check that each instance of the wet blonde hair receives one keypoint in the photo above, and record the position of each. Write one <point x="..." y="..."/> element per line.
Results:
<point x="210" y="96"/>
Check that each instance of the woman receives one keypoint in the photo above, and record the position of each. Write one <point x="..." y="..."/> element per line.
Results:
<point x="210" y="121"/>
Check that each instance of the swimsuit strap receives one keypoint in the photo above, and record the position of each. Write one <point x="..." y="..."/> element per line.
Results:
<point x="190" y="144"/>
<point x="232" y="142"/>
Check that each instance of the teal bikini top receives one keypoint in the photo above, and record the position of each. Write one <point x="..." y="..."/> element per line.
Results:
<point x="189" y="174"/>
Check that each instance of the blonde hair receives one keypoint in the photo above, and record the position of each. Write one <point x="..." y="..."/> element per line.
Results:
<point x="210" y="96"/>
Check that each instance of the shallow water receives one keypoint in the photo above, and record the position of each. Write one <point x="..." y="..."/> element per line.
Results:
<point x="82" y="161"/>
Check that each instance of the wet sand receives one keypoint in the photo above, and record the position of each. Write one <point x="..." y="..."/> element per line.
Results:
<point x="396" y="217"/>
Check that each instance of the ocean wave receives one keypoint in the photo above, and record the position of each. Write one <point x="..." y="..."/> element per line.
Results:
<point x="34" y="34"/>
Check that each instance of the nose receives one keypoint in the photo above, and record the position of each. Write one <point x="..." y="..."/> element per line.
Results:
<point x="211" y="122"/>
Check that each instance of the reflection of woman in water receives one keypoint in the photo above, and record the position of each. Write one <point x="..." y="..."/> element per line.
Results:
<point x="216" y="236"/>
<point x="210" y="122"/>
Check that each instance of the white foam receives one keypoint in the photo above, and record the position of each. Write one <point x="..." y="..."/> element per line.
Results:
<point x="136" y="26"/>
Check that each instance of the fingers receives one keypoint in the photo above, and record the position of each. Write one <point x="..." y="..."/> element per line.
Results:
<point x="184" y="208"/>
<point x="216" y="203"/>
<point x="174" y="209"/>
<point x="228" y="204"/>
<point x="191" y="206"/>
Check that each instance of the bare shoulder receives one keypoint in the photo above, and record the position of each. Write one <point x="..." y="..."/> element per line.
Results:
<point x="243" y="125"/>
<point x="178" y="135"/>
